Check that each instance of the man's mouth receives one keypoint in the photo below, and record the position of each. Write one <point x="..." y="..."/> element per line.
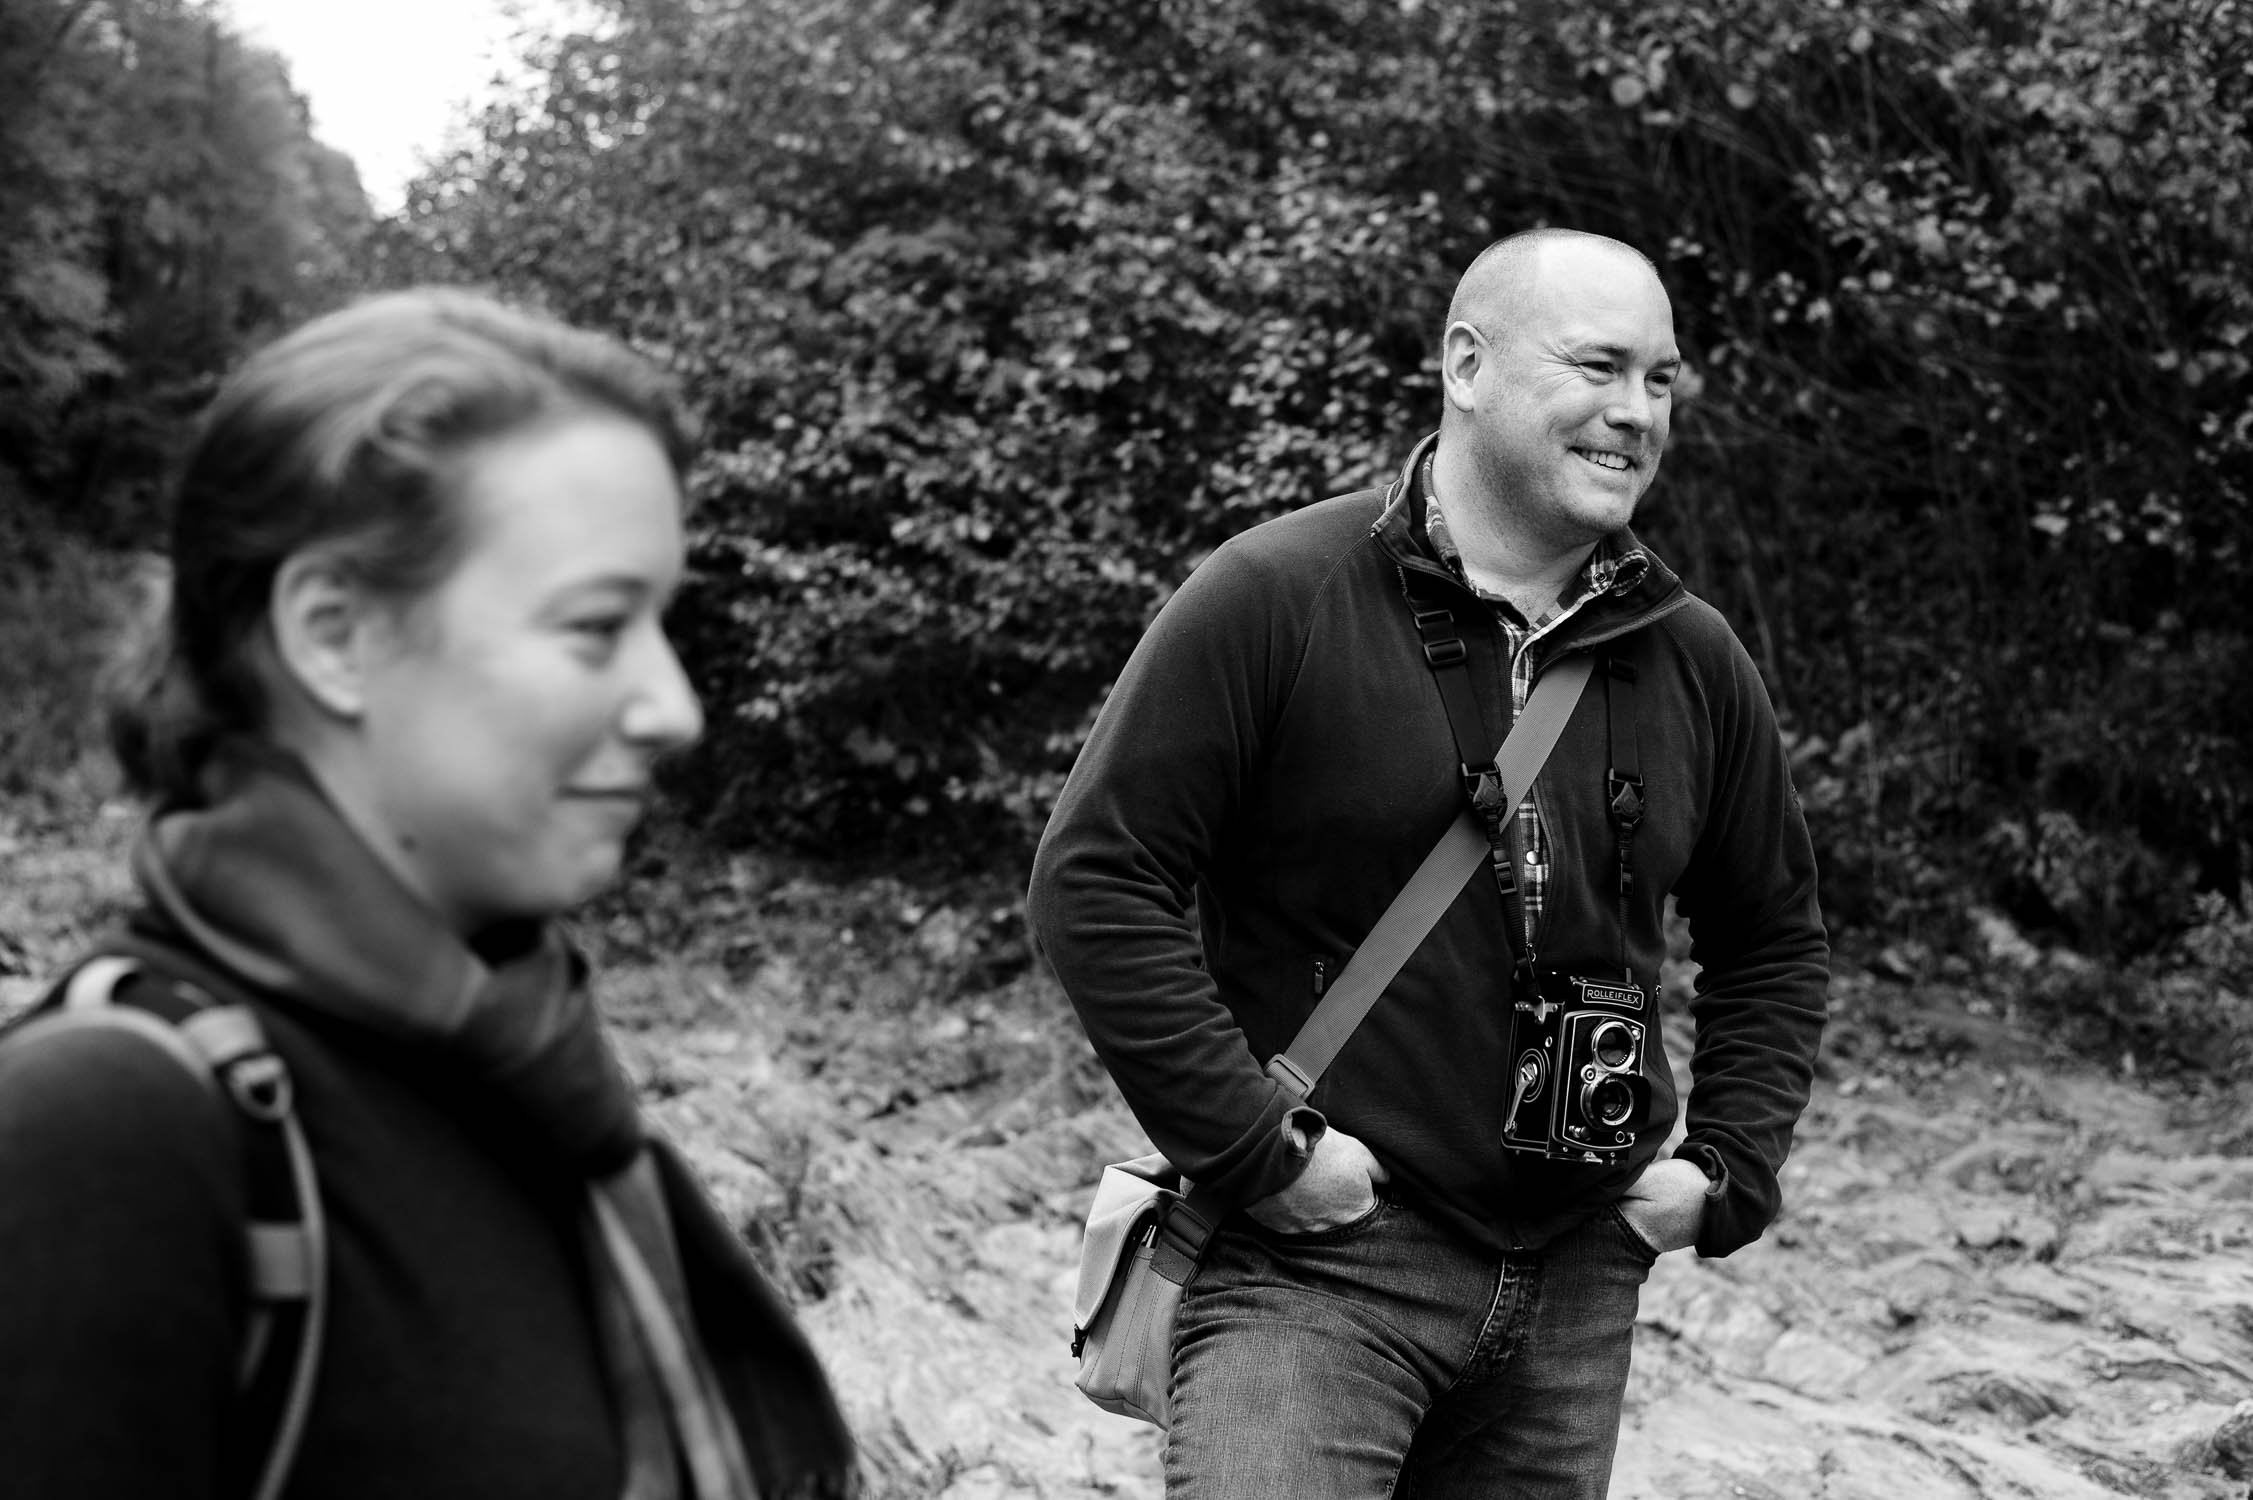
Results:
<point x="1604" y="459"/>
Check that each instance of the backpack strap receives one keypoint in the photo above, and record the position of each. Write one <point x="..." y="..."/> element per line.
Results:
<point x="223" y="1046"/>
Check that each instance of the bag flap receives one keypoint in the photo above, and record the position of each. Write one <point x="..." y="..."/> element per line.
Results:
<point x="1130" y="1197"/>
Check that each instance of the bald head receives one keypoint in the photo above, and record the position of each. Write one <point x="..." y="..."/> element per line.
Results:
<point x="1557" y="374"/>
<point x="1497" y="289"/>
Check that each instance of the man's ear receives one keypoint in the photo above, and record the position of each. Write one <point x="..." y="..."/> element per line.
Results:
<point x="1461" y="352"/>
<point x="326" y="628"/>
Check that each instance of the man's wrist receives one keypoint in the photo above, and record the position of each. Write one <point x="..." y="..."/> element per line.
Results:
<point x="1708" y="1162"/>
<point x="1303" y="1130"/>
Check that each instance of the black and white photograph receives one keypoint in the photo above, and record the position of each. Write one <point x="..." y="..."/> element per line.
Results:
<point x="1201" y="750"/>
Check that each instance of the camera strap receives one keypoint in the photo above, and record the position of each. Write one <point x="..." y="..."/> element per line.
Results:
<point x="1623" y="782"/>
<point x="1448" y="654"/>
<point x="1434" y="886"/>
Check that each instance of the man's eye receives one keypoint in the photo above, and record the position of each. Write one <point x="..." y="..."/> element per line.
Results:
<point x="599" y="627"/>
<point x="1598" y="366"/>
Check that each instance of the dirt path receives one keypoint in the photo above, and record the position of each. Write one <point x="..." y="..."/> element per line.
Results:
<point x="2013" y="1281"/>
<point x="1997" y="1277"/>
<point x="1999" y="1273"/>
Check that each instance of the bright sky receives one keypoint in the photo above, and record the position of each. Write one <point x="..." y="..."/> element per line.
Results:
<point x="387" y="78"/>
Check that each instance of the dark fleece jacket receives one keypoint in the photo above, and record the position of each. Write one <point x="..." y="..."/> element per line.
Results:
<point x="461" y="1352"/>
<point x="1272" y="765"/>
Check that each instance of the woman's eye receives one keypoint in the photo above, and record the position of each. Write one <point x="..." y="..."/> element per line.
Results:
<point x="603" y="628"/>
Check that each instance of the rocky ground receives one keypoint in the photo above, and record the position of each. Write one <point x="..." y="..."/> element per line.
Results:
<point x="1999" y="1274"/>
<point x="2002" y="1271"/>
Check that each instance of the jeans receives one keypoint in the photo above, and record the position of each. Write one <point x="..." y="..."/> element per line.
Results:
<point x="1386" y="1355"/>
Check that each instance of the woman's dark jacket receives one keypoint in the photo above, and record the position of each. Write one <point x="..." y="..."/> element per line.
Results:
<point x="461" y="1356"/>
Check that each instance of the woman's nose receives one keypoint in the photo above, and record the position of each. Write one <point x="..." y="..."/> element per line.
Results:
<point x="664" y="713"/>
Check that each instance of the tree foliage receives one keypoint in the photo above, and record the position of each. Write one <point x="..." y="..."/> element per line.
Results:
<point x="166" y="204"/>
<point x="1003" y="312"/>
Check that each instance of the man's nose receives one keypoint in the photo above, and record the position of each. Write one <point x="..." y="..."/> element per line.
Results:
<point x="1634" y="409"/>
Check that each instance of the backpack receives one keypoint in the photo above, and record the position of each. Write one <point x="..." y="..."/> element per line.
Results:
<point x="200" y="1019"/>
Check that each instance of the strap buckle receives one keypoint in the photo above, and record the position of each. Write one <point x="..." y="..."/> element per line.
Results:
<point x="1484" y="786"/>
<point x="1447" y="651"/>
<point x="1182" y="1228"/>
<point x="1294" y="1078"/>
<point x="260" y="1084"/>
<point x="1627" y="812"/>
<point x="1626" y="799"/>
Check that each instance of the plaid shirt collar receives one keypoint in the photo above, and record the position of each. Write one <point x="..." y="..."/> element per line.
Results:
<point x="1611" y="567"/>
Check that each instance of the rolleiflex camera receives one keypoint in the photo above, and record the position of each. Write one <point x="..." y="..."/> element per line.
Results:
<point x="1577" y="1091"/>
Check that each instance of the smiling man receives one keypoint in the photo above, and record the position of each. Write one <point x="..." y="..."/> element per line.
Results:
<point x="1428" y="1280"/>
<point x="1558" y="365"/>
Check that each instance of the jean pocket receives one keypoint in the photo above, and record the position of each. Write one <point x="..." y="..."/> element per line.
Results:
<point x="1632" y="1237"/>
<point x="1336" y="1234"/>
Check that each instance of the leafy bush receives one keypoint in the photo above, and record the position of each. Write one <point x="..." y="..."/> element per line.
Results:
<point x="2183" y="1008"/>
<point x="993" y="340"/>
<point x="63" y="606"/>
<point x="1004" y="312"/>
<point x="166" y="205"/>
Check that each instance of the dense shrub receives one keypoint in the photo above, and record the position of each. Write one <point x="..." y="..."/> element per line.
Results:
<point x="994" y="340"/>
<point x="163" y="204"/>
<point x="2184" y="1007"/>
<point x="1003" y="312"/>
<point x="64" y="610"/>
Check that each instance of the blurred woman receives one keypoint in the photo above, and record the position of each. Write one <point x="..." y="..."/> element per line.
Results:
<point x="413" y="688"/>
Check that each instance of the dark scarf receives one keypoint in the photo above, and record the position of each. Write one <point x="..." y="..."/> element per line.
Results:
<point x="719" y="1395"/>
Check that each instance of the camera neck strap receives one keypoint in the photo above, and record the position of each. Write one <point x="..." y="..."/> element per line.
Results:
<point x="1435" y="885"/>
<point x="1448" y="650"/>
<point x="1623" y="782"/>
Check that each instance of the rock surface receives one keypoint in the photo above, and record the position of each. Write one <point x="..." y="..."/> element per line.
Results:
<point x="1999" y="1272"/>
<point x="2005" y="1277"/>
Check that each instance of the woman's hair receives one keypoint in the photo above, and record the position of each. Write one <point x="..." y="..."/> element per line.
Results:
<point x="349" y="433"/>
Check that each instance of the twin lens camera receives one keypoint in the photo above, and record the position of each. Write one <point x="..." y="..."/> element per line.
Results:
<point x="1577" y="1091"/>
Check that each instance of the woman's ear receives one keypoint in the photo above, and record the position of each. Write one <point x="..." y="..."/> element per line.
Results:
<point x="325" y="628"/>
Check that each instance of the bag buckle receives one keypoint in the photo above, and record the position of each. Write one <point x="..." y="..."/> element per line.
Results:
<point x="1294" y="1078"/>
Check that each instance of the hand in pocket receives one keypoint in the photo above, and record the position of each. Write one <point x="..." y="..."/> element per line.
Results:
<point x="1338" y="1186"/>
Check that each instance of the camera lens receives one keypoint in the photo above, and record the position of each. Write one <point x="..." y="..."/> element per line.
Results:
<point x="1609" y="1100"/>
<point x="1613" y="1045"/>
